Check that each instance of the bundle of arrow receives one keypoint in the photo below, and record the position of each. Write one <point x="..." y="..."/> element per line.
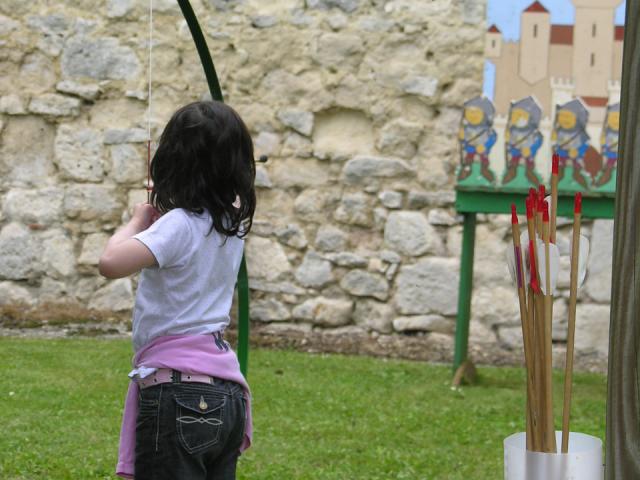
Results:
<point x="534" y="264"/>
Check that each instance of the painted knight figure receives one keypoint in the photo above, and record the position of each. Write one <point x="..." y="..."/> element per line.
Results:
<point x="476" y="137"/>
<point x="605" y="181"/>
<point x="570" y="141"/>
<point x="522" y="142"/>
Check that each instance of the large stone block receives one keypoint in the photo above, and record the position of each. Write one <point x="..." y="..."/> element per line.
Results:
<point x="269" y="310"/>
<point x="354" y="209"/>
<point x="88" y="91"/>
<point x="42" y="206"/>
<point x="300" y="120"/>
<point x="116" y="296"/>
<point x="598" y="283"/>
<point x="125" y="135"/>
<point x="338" y="50"/>
<point x="292" y="172"/>
<point x="420" y="11"/>
<point x="274" y="205"/>
<point x="266" y="258"/>
<point x="348" y="6"/>
<point x="292" y="235"/>
<point x="127" y="165"/>
<point x="79" y="153"/>
<point x="314" y="271"/>
<point x="7" y="25"/>
<point x="86" y="286"/>
<point x="53" y="29"/>
<point x="419" y="199"/>
<point x="400" y="137"/>
<point x="411" y="234"/>
<point x="262" y="178"/>
<point x="330" y="239"/>
<point x="264" y="21"/>
<point x="364" y="284"/>
<point x="37" y="74"/>
<point x="419" y="85"/>
<point x="55" y="105"/>
<point x="13" y="293"/>
<point x="19" y="251"/>
<point x="592" y="328"/>
<point x="119" y="8"/>
<point x="266" y="143"/>
<point x="274" y="287"/>
<point x="373" y="315"/>
<point x="428" y="286"/>
<point x="13" y="104"/>
<point x="53" y="24"/>
<point x="283" y="87"/>
<point x="473" y="12"/>
<point x="58" y="254"/>
<point x="347" y="259"/>
<point x="326" y="312"/>
<point x="296" y="145"/>
<point x="29" y="161"/>
<point x="91" y="202"/>
<point x="491" y="244"/>
<point x="310" y="205"/>
<point x="54" y="291"/>
<point x="92" y="247"/>
<point x="495" y="305"/>
<point x="364" y="167"/>
<point x="391" y="199"/>
<point x="424" y="323"/>
<point x="376" y="24"/>
<point x="100" y="58"/>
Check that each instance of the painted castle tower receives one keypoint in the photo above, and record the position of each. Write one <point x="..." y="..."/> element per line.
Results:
<point x="556" y="63"/>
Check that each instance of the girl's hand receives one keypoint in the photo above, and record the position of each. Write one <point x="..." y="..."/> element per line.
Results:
<point x="124" y="255"/>
<point x="144" y="215"/>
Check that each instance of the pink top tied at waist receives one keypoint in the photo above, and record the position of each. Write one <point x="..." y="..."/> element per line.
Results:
<point x="190" y="354"/>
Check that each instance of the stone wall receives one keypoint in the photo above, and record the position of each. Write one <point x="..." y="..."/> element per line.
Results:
<point x="356" y="103"/>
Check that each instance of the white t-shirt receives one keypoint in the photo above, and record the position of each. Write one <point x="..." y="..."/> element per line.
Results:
<point x="191" y="289"/>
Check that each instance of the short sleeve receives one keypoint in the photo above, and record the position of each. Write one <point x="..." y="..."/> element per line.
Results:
<point x="168" y="238"/>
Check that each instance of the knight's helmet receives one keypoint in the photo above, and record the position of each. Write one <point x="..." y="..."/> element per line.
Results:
<point x="579" y="111"/>
<point x="484" y="104"/>
<point x="532" y="107"/>
<point x="613" y="108"/>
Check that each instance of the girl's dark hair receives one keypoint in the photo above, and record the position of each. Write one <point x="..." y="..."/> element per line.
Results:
<point x="204" y="161"/>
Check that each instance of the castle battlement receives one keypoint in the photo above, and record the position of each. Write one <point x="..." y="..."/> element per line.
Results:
<point x="559" y="82"/>
<point x="614" y="85"/>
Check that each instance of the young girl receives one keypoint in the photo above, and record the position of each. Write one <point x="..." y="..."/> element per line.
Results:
<point x="187" y="413"/>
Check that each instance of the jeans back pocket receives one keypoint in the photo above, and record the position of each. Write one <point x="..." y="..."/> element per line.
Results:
<point x="199" y="419"/>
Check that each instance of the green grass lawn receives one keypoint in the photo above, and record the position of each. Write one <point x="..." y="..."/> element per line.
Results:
<point x="316" y="416"/>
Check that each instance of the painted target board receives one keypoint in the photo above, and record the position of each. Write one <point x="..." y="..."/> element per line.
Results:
<point x="551" y="86"/>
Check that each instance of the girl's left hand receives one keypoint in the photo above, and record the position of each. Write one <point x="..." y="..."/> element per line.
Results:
<point x="144" y="215"/>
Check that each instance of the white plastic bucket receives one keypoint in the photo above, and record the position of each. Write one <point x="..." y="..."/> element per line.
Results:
<point x="582" y="462"/>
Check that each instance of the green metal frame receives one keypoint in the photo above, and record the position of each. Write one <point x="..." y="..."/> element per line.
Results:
<point x="216" y="94"/>
<point x="470" y="203"/>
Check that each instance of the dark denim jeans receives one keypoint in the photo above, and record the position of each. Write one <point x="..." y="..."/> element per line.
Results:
<point x="189" y="431"/>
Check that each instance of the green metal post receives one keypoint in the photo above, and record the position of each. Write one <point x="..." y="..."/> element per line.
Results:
<point x="243" y="318"/>
<point x="465" y="289"/>
<point x="216" y="94"/>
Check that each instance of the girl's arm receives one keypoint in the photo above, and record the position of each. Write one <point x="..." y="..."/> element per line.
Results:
<point x="124" y="255"/>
